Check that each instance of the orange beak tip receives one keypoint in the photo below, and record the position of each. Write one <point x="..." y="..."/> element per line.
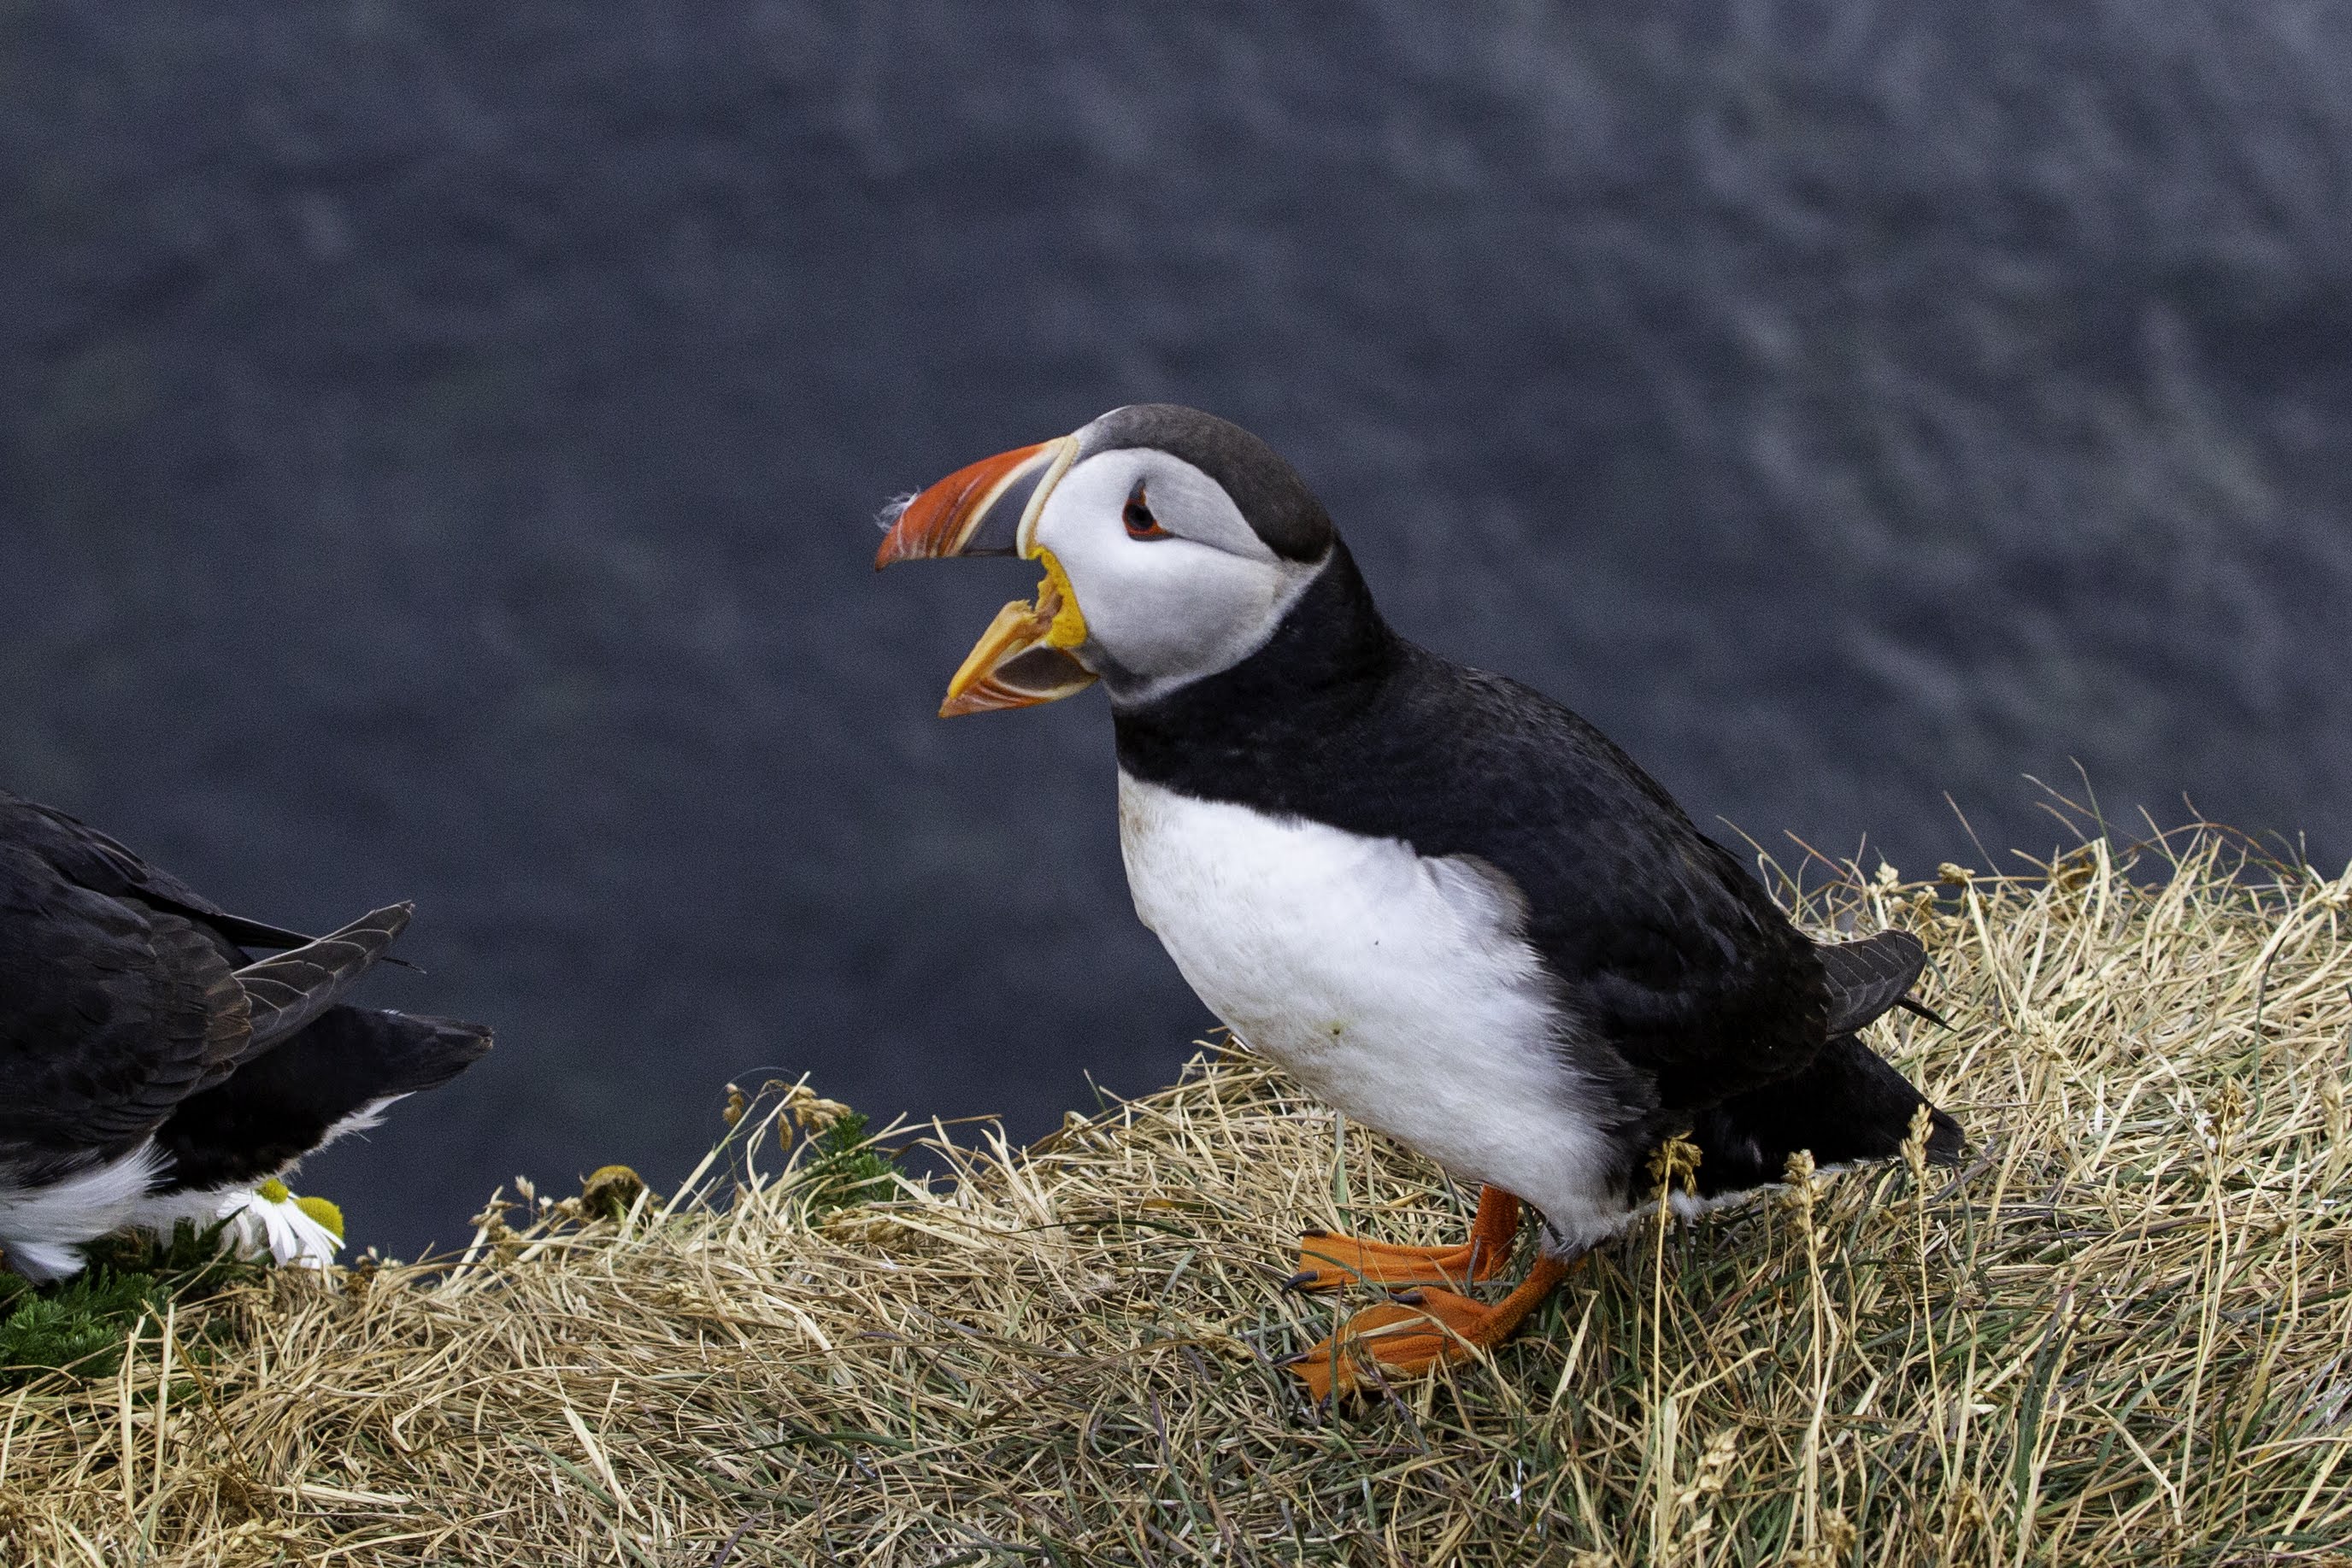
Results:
<point x="975" y="510"/>
<point x="981" y="510"/>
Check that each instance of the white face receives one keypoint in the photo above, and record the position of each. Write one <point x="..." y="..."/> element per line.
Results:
<point x="1173" y="583"/>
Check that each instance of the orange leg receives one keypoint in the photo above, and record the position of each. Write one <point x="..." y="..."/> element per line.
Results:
<point x="1419" y="1329"/>
<point x="1326" y="1261"/>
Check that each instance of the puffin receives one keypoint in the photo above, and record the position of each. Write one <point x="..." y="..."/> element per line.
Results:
<point x="1438" y="899"/>
<point x="152" y="1067"/>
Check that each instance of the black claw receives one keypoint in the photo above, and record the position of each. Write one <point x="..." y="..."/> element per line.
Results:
<point x="1300" y="1281"/>
<point x="1313" y="1234"/>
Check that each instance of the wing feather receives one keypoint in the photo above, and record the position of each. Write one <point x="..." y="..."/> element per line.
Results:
<point x="1869" y="977"/>
<point x="123" y="992"/>
<point x="110" y="1016"/>
<point x="294" y="988"/>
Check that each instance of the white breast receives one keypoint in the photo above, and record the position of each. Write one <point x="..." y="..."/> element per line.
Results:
<point x="1394" y="986"/>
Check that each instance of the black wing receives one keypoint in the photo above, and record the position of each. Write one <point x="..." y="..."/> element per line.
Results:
<point x="1668" y="950"/>
<point x="289" y="990"/>
<point x="110" y="1016"/>
<point x="91" y="859"/>
<point x="123" y="992"/>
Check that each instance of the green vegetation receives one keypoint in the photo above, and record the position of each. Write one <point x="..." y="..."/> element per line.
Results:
<point x="78" y="1327"/>
<point x="846" y="1167"/>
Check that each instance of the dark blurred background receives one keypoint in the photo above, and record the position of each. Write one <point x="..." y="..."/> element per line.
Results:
<point x="439" y="442"/>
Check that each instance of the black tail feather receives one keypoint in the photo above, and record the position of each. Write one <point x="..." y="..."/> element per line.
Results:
<point x="1921" y="1009"/>
<point x="281" y="1106"/>
<point x="1849" y="1106"/>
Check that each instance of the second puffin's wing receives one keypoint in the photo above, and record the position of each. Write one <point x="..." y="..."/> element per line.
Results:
<point x="1869" y="977"/>
<point x="294" y="988"/>
<point x="110" y="1016"/>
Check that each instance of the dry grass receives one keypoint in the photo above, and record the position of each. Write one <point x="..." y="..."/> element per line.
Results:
<point x="2123" y="1335"/>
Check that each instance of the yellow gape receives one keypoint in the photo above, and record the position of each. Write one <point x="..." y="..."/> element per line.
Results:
<point x="1070" y="628"/>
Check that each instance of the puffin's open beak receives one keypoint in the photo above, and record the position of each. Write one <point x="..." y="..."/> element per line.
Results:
<point x="990" y="509"/>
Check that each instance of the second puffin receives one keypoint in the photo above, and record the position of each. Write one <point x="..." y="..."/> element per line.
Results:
<point x="1440" y="900"/>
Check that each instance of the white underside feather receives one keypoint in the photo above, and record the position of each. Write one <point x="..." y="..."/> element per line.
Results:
<point x="40" y="1226"/>
<point x="1395" y="986"/>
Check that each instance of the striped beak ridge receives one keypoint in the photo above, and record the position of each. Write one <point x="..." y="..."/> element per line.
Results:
<point x="990" y="507"/>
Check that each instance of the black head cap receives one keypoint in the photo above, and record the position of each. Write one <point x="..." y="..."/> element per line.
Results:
<point x="1273" y="498"/>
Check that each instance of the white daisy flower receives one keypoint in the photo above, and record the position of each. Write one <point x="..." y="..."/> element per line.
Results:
<point x="270" y="1221"/>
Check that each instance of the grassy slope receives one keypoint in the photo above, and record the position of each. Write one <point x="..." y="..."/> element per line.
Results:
<point x="2123" y="1335"/>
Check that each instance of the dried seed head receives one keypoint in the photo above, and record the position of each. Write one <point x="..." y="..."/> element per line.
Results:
<point x="1676" y="1159"/>
<point x="1915" y="1143"/>
<point x="2227" y="1108"/>
<point x="1715" y="1464"/>
<point x="1838" y="1533"/>
<point x="812" y="1112"/>
<point x="1802" y="1186"/>
<point x="610" y="1190"/>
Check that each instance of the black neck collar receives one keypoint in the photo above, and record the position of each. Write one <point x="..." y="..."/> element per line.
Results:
<point x="1324" y="665"/>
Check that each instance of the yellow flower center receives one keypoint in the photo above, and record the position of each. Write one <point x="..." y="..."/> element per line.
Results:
<point x="324" y="1212"/>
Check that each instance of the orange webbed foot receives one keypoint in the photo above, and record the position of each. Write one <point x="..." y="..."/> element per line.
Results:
<point x="1418" y="1331"/>
<point x="1328" y="1261"/>
<point x="1425" y="1327"/>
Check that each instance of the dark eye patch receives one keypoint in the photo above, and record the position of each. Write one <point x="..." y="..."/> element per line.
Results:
<point x="1140" y="523"/>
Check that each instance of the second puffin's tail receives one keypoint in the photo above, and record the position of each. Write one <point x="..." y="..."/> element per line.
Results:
<point x="333" y="1077"/>
<point x="1849" y="1104"/>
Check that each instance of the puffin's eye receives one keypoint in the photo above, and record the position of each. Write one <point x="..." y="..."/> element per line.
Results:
<point x="1140" y="523"/>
